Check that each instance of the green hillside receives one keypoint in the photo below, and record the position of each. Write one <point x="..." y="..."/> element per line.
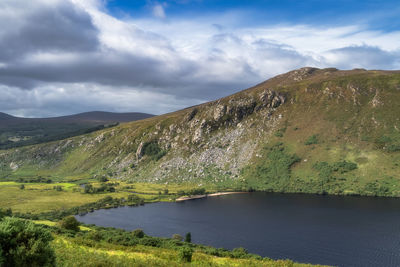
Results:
<point x="17" y="132"/>
<point x="309" y="130"/>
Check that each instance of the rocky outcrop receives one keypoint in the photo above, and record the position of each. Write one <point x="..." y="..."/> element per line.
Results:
<point x="139" y="151"/>
<point x="272" y="99"/>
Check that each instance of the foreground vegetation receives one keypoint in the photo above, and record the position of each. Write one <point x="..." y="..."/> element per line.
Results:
<point x="44" y="243"/>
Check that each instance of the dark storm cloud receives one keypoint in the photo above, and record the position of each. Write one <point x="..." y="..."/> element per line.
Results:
<point x="65" y="56"/>
<point x="60" y="27"/>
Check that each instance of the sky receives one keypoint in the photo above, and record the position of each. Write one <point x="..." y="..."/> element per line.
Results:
<point x="60" y="57"/>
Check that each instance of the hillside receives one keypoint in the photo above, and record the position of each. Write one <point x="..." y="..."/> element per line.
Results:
<point x="309" y="130"/>
<point x="15" y="131"/>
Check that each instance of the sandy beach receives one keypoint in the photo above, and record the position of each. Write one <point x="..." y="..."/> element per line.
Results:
<point x="207" y="195"/>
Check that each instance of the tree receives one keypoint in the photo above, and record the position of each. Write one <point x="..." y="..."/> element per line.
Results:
<point x="103" y="179"/>
<point x="23" y="243"/>
<point x="188" y="237"/>
<point x="88" y="188"/>
<point x="185" y="253"/>
<point x="69" y="223"/>
<point x="138" y="233"/>
<point x="177" y="237"/>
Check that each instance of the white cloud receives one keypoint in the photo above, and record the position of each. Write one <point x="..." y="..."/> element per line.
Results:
<point x="158" y="11"/>
<point x="73" y="56"/>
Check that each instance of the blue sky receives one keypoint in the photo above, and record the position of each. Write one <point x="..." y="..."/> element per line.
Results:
<point x="377" y="14"/>
<point x="68" y="56"/>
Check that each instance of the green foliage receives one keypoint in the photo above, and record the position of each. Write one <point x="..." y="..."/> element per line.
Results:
<point x="90" y="189"/>
<point x="312" y="140"/>
<point x="344" y="166"/>
<point x="69" y="223"/>
<point x="390" y="144"/>
<point x="188" y="237"/>
<point x="38" y="179"/>
<point x="153" y="150"/>
<point x="382" y="187"/>
<point x="280" y="132"/>
<point x="185" y="254"/>
<point x="239" y="252"/>
<point x="177" y="237"/>
<point x="58" y="188"/>
<point x="103" y="179"/>
<point x="23" y="243"/>
<point x="326" y="170"/>
<point x="22" y="187"/>
<point x="273" y="170"/>
<point x="4" y="213"/>
<point x="138" y="233"/>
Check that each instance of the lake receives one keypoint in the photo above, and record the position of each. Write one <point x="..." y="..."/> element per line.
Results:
<point x="334" y="230"/>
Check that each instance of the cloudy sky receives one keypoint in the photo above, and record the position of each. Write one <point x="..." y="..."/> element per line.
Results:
<point x="60" y="57"/>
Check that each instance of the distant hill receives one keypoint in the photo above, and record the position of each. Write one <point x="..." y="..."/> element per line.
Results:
<point x="16" y="131"/>
<point x="4" y="116"/>
<point x="310" y="130"/>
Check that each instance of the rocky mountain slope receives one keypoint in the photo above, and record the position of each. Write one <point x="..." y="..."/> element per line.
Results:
<point x="309" y="130"/>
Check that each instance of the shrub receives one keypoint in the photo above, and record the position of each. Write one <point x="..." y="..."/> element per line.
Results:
<point x="22" y="187"/>
<point x="57" y="188"/>
<point x="188" y="237"/>
<point x="153" y="150"/>
<point x="4" y="213"/>
<point x="138" y="233"/>
<point x="239" y="252"/>
<point x="312" y="140"/>
<point x="149" y="241"/>
<point x="23" y="243"/>
<point x="344" y="166"/>
<point x="185" y="254"/>
<point x="103" y="179"/>
<point x="69" y="223"/>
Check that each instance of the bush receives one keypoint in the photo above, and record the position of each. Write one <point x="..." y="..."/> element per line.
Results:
<point x="185" y="254"/>
<point x="188" y="237"/>
<point x="153" y="150"/>
<point x="23" y="243"/>
<point x="239" y="252"/>
<point x="138" y="233"/>
<point x="312" y="140"/>
<point x="4" y="213"/>
<point x="103" y="179"/>
<point x="22" y="187"/>
<point x="69" y="223"/>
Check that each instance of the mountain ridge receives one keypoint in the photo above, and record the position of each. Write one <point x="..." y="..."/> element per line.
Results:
<point x="19" y="131"/>
<point x="309" y="130"/>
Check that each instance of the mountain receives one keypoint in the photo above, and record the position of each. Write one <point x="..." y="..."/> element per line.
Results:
<point x="4" y="116"/>
<point x="15" y="131"/>
<point x="310" y="130"/>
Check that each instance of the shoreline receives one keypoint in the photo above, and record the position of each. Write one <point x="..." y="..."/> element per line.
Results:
<point x="180" y="199"/>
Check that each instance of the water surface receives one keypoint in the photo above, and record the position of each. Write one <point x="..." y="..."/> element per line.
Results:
<point x="342" y="231"/>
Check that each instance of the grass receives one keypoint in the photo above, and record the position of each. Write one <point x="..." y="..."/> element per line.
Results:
<point x="39" y="198"/>
<point x="70" y="253"/>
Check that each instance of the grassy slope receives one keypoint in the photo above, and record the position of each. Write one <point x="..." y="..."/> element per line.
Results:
<point x="37" y="198"/>
<point x="71" y="254"/>
<point x="353" y="115"/>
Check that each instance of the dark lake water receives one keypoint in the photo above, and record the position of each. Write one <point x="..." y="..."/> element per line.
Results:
<point x="341" y="231"/>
